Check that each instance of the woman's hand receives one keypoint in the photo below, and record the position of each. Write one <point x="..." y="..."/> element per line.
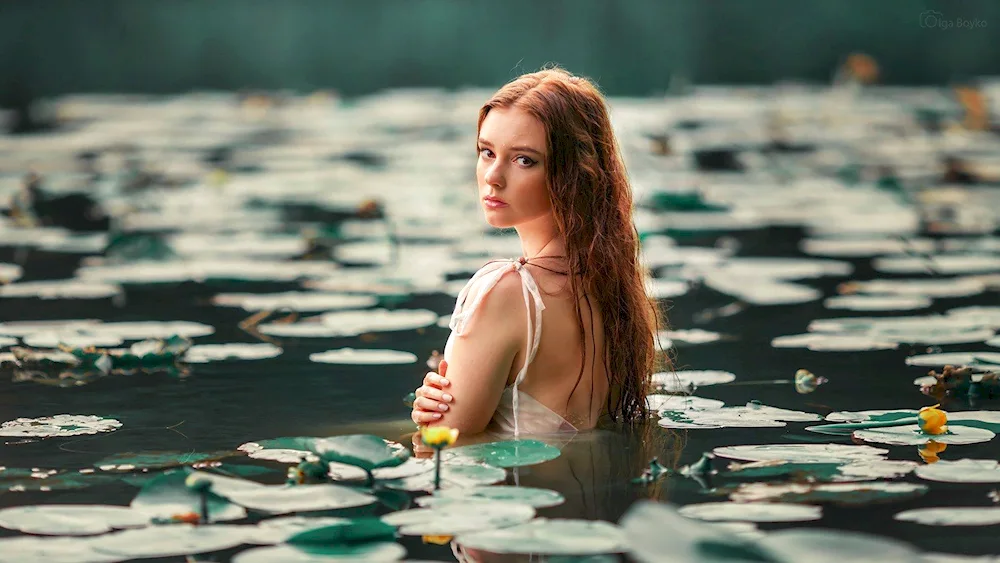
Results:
<point x="432" y="398"/>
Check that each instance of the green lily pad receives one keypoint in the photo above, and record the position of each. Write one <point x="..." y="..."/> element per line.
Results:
<point x="751" y="512"/>
<point x="550" y="537"/>
<point x="537" y="498"/>
<point x="360" y="530"/>
<point x="911" y="435"/>
<point x="378" y="551"/>
<point x="278" y="530"/>
<point x="20" y="480"/>
<point x="452" y="476"/>
<point x="847" y="494"/>
<point x="171" y="541"/>
<point x="953" y="516"/>
<point x="456" y="518"/>
<point x="71" y="520"/>
<point x="360" y="450"/>
<point x="154" y="460"/>
<point x="409" y="468"/>
<point x="168" y="495"/>
<point x="835" y="546"/>
<point x="511" y="453"/>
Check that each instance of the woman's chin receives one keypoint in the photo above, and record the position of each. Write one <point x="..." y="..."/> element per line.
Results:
<point x="497" y="220"/>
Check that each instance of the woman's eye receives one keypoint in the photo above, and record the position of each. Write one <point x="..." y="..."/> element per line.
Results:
<point x="486" y="152"/>
<point x="525" y="161"/>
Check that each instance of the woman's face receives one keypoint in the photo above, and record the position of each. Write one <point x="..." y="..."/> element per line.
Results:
<point x="511" y="168"/>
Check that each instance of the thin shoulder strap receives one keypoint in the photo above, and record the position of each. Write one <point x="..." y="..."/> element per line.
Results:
<point x="491" y="274"/>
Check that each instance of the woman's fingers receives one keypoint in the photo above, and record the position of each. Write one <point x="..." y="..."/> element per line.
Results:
<point x="434" y="394"/>
<point x="426" y="404"/>
<point x="424" y="417"/>
<point x="434" y="380"/>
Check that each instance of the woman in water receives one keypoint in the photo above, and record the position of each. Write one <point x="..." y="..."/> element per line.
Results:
<point x="562" y="337"/>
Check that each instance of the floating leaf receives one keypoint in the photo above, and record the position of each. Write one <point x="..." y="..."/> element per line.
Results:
<point x="834" y="546"/>
<point x="833" y="342"/>
<point x="203" y="353"/>
<point x="537" y="498"/>
<point x="952" y="516"/>
<point x="878" y="302"/>
<point x="62" y="289"/>
<point x="59" y="425"/>
<point x="361" y="530"/>
<point x="911" y="435"/>
<point x="657" y="403"/>
<point x="836" y="493"/>
<point x="751" y="512"/>
<point x="154" y="460"/>
<point x="70" y="520"/>
<point x="52" y="550"/>
<point x="455" y="518"/>
<point x="278" y="530"/>
<point x="511" y="453"/>
<point x="354" y="323"/>
<point x="21" y="480"/>
<point x="168" y="495"/>
<point x="987" y="360"/>
<point x="53" y="339"/>
<point x="379" y="551"/>
<point x="942" y="264"/>
<point x="411" y="467"/>
<point x="802" y="453"/>
<point x="363" y="357"/>
<point x="750" y="416"/>
<point x="171" y="540"/>
<point x="282" y="499"/>
<point x="360" y="450"/>
<point x="683" y="380"/>
<point x="961" y="471"/>
<point x="550" y="537"/>
<point x="452" y="476"/>
<point x="301" y="301"/>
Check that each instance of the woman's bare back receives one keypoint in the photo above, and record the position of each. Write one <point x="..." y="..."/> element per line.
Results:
<point x="554" y="378"/>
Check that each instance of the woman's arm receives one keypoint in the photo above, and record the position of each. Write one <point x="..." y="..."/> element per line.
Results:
<point x="480" y="360"/>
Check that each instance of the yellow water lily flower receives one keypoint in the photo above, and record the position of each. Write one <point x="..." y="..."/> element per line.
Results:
<point x="438" y="436"/>
<point x="933" y="420"/>
<point x="437" y="540"/>
<point x="929" y="451"/>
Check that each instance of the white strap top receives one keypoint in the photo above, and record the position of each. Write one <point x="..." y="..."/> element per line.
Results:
<point x="541" y="419"/>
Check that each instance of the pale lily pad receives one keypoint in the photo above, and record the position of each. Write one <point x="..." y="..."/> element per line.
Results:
<point x="953" y="516"/>
<point x="864" y="247"/>
<point x="933" y="288"/>
<point x="537" y="498"/>
<point x="452" y="476"/>
<point x="683" y="380"/>
<point x="834" y="546"/>
<point x="150" y="272"/>
<point x="761" y="291"/>
<point x="750" y="416"/>
<point x="878" y="302"/>
<point x="71" y="519"/>
<point x="352" y="356"/>
<point x="666" y="338"/>
<point x="302" y="301"/>
<point x="64" y="289"/>
<point x="21" y="480"/>
<point x="658" y="403"/>
<point x="979" y="313"/>
<point x="10" y="272"/>
<point x="803" y="453"/>
<point x="510" y="453"/>
<point x="52" y="550"/>
<point x="7" y="341"/>
<point x="262" y="451"/>
<point x="751" y="512"/>
<point x="129" y="461"/>
<point x="862" y="416"/>
<point x="170" y="541"/>
<point x="283" y="499"/>
<point x="550" y="537"/>
<point x="354" y="323"/>
<point x="911" y="435"/>
<point x="818" y="342"/>
<point x="204" y="353"/>
<point x="147" y="330"/>
<point x="59" y="425"/>
<point x="411" y="467"/>
<point x="942" y="264"/>
<point x="455" y="518"/>
<point x="280" y="529"/>
<point x="666" y="289"/>
<point x="784" y="268"/>
<point x="376" y="551"/>
<point x="167" y="495"/>
<point x="882" y="469"/>
<point x="972" y="359"/>
<point x="961" y="471"/>
<point x="71" y="339"/>
<point x="836" y="493"/>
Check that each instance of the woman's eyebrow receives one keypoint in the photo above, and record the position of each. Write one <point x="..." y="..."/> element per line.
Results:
<point x="486" y="143"/>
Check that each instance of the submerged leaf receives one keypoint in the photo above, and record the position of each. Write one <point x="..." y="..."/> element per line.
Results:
<point x="511" y="453"/>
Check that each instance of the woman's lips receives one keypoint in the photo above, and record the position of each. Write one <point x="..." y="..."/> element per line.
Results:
<point x="494" y="202"/>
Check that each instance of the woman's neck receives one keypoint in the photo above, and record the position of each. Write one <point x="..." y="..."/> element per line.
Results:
<point x="540" y="237"/>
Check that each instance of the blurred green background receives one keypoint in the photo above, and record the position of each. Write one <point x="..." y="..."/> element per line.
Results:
<point x="631" y="47"/>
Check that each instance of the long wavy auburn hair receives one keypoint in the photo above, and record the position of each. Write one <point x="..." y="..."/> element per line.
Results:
<point x="592" y="203"/>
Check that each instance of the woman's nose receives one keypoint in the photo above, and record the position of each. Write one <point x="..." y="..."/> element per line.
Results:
<point x="494" y="174"/>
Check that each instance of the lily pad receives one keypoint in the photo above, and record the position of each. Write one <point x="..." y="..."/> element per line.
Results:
<point x="862" y="416"/>
<point x="283" y="499"/>
<point x="452" y="476"/>
<point x="750" y="416"/>
<point x="684" y="380"/>
<point x="363" y="357"/>
<point x="550" y="537"/>
<point x="911" y="435"/>
<point x="942" y="264"/>
<point x="63" y="289"/>
<point x="932" y="288"/>
<point x="987" y="360"/>
<point x="802" y="453"/>
<point x="961" y="471"/>
<point x="377" y="551"/>
<point x="70" y="520"/>
<point x="284" y="450"/>
<point x="411" y="467"/>
<point x="761" y="291"/>
<point x="203" y="353"/>
<point x="280" y="529"/>
<point x="154" y="460"/>
<point x="153" y="272"/>
<point x="848" y="494"/>
<point x="301" y="301"/>
<point x="147" y="330"/>
<point x="537" y="498"/>
<point x="52" y="550"/>
<point x="510" y="453"/>
<point x="170" y="541"/>
<point x="24" y="328"/>
<point x="361" y="450"/>
<point x="354" y="323"/>
<point x="456" y="518"/>
<point x="59" y="425"/>
<point x="167" y="495"/>
<point x="864" y="247"/>
<point x="834" y="546"/>
<point x="751" y="512"/>
<point x="689" y="336"/>
<point x="878" y="302"/>
<point x="657" y="403"/>
<point x="22" y="480"/>
<point x="9" y="273"/>
<point x="71" y="339"/>
<point x="953" y="516"/>
<point x="833" y="342"/>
